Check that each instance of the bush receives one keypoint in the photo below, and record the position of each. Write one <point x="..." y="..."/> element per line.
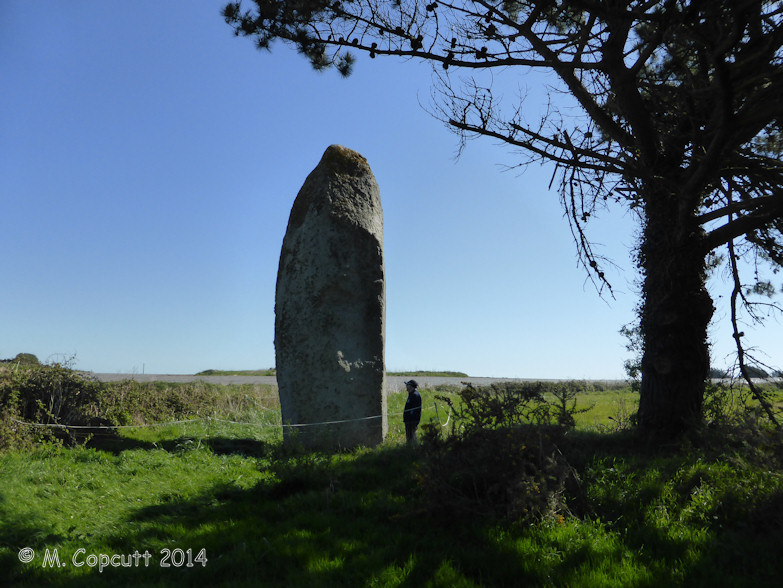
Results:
<point x="724" y="404"/>
<point x="501" y="458"/>
<point x="14" y="435"/>
<point x="52" y="394"/>
<point x="499" y="405"/>
<point x="513" y="403"/>
<point x="57" y="395"/>
<point x="133" y="403"/>
<point x="25" y="359"/>
<point x="44" y="394"/>
<point x="515" y="473"/>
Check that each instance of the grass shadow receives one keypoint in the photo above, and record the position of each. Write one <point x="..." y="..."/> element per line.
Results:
<point x="219" y="445"/>
<point x="697" y="508"/>
<point x="358" y="519"/>
<point x="323" y="521"/>
<point x="19" y="533"/>
<point x="331" y="521"/>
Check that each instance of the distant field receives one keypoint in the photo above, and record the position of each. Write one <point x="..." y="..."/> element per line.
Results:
<point x="431" y="374"/>
<point x="267" y="372"/>
<point x="273" y="371"/>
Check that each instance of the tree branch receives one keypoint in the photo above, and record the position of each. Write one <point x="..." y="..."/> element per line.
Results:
<point x="735" y="207"/>
<point x="737" y="335"/>
<point x="762" y="215"/>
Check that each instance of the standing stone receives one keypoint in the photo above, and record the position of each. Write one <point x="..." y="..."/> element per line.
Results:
<point x="330" y="308"/>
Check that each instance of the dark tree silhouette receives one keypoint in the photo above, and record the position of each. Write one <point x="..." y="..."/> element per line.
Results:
<point x="679" y="118"/>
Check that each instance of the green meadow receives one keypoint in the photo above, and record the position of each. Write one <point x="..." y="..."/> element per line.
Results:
<point x="198" y="489"/>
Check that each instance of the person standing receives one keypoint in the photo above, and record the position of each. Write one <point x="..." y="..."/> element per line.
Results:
<point x="412" y="413"/>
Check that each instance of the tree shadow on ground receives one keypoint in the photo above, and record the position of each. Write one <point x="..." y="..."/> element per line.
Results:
<point x="738" y="541"/>
<point x="19" y="533"/>
<point x="317" y="520"/>
<point x="316" y="524"/>
<point x="326" y="521"/>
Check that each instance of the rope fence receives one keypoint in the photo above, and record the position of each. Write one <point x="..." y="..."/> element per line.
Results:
<point x="214" y="419"/>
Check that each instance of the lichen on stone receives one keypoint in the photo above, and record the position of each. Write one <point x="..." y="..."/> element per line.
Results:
<point x="342" y="160"/>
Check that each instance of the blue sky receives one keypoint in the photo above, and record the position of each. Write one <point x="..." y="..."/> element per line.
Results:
<point x="148" y="164"/>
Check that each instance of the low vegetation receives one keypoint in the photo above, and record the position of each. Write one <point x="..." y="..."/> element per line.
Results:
<point x="429" y="374"/>
<point x="21" y="359"/>
<point x="269" y="372"/>
<point x="522" y="484"/>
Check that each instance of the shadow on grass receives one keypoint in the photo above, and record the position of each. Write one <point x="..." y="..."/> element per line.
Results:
<point x="350" y="520"/>
<point x="358" y="519"/>
<point x="322" y="521"/>
<point x="707" y="521"/>
<point x="18" y="533"/>
<point x="116" y="444"/>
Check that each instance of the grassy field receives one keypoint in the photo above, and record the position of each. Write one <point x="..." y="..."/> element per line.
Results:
<point x="218" y="500"/>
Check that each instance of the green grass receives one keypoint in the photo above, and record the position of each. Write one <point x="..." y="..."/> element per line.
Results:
<point x="705" y="513"/>
<point x="607" y="408"/>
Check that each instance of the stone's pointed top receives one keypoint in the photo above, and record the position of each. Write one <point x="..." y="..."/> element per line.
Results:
<point x="344" y="161"/>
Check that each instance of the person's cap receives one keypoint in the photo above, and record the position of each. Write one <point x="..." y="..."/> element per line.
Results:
<point x="413" y="383"/>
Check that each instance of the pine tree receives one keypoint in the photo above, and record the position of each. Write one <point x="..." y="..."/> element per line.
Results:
<point x="679" y="120"/>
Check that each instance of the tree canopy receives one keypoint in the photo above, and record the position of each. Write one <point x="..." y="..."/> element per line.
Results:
<point x="678" y="119"/>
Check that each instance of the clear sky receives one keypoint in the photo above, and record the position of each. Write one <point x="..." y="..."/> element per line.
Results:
<point x="148" y="163"/>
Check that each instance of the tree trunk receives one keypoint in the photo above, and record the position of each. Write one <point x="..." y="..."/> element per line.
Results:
<point x="676" y="310"/>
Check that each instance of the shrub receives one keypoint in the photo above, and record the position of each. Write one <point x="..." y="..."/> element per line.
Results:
<point x="514" y="473"/>
<point x="501" y="458"/>
<point x="562" y="407"/>
<point x="52" y="394"/>
<point x="506" y="404"/>
<point x="57" y="395"/>
<point x="14" y="435"/>
<point x="499" y="405"/>
<point x="724" y="403"/>
<point x="25" y="359"/>
<point x="132" y="403"/>
<point x="45" y="394"/>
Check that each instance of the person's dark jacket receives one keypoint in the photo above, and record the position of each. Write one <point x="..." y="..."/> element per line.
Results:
<point x="412" y="412"/>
